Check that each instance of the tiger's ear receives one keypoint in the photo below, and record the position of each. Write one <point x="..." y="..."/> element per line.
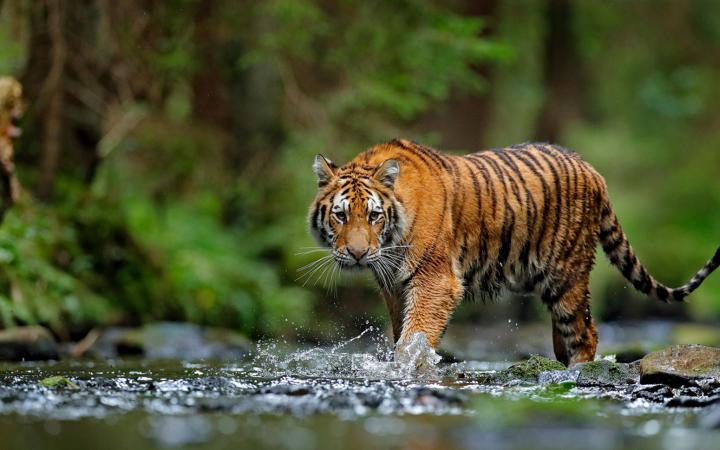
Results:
<point x="387" y="172"/>
<point x="324" y="170"/>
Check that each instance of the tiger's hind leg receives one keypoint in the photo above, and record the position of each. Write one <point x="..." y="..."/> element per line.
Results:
<point x="574" y="332"/>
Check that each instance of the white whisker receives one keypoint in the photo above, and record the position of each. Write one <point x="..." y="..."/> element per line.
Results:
<point x="309" y="265"/>
<point x="315" y="250"/>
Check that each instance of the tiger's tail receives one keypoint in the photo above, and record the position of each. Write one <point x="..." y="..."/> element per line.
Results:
<point x="621" y="254"/>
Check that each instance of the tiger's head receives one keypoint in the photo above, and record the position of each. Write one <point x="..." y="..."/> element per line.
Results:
<point x="356" y="212"/>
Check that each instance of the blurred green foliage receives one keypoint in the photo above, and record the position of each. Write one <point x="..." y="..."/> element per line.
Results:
<point x="183" y="181"/>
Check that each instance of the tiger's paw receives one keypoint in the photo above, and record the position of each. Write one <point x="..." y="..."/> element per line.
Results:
<point x="416" y="355"/>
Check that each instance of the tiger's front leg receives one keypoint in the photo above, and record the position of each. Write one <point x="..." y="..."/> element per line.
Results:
<point x="430" y="298"/>
<point x="395" y="310"/>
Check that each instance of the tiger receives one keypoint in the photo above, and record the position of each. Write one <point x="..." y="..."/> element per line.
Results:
<point x="436" y="228"/>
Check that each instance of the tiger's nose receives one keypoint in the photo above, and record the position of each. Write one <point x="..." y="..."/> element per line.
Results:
<point x="357" y="253"/>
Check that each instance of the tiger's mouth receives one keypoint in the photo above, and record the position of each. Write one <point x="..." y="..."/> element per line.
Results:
<point x="346" y="261"/>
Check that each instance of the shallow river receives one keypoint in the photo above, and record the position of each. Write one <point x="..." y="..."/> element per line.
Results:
<point x="347" y="396"/>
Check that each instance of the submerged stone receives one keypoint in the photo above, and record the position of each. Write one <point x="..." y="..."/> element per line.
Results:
<point x="680" y="365"/>
<point x="31" y="343"/>
<point x="607" y="373"/>
<point x="58" y="382"/>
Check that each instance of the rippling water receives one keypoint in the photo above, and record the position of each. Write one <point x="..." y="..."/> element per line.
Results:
<point x="350" y="395"/>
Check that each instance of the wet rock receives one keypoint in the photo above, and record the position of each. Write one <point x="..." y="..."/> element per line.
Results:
<point x="692" y="402"/>
<point x="559" y="376"/>
<point x="425" y="396"/>
<point x="30" y="343"/>
<point x="528" y="370"/>
<point x="58" y="382"/>
<point x="680" y="365"/>
<point x="169" y="340"/>
<point x="370" y="400"/>
<point x="479" y="377"/>
<point x="708" y="385"/>
<point x="448" y="357"/>
<point x="657" y="393"/>
<point x="606" y="373"/>
<point x="287" y="389"/>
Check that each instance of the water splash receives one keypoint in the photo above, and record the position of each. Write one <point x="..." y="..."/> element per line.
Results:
<point x="417" y="359"/>
<point x="417" y="355"/>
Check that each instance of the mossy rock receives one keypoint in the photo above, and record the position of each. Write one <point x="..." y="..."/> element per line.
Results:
<point x="680" y="365"/>
<point x="528" y="370"/>
<point x="607" y="373"/>
<point x="58" y="382"/>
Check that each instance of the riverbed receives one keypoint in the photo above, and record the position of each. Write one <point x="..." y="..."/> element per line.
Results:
<point x="349" y="395"/>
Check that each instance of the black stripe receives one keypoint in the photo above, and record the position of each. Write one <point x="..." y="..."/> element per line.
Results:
<point x="533" y="166"/>
<point x="435" y="156"/>
<point x="456" y="183"/>
<point x="424" y="154"/>
<point x="604" y="234"/>
<point x="644" y="284"/>
<point x="565" y="320"/>
<point x="506" y="240"/>
<point x="498" y="171"/>
<point x="582" y="212"/>
<point x="550" y="151"/>
<point x="505" y="158"/>
<point x="550" y="298"/>
<point x="558" y="198"/>
<point x="611" y="246"/>
<point x="486" y="177"/>
<point x="627" y="265"/>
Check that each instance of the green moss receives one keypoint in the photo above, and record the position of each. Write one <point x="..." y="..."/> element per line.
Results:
<point x="58" y="382"/>
<point x="529" y="369"/>
<point x="604" y="372"/>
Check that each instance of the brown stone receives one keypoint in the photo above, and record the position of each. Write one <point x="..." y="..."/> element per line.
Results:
<point x="680" y="365"/>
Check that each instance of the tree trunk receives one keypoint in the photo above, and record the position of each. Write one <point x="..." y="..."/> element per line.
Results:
<point x="564" y="79"/>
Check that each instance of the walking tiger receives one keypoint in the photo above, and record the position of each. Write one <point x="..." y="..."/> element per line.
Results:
<point x="436" y="228"/>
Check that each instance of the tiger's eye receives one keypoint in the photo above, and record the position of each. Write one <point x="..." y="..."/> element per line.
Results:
<point x="340" y="216"/>
<point x="373" y="216"/>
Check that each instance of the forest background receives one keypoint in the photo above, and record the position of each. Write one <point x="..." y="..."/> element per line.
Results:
<point x="166" y="148"/>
